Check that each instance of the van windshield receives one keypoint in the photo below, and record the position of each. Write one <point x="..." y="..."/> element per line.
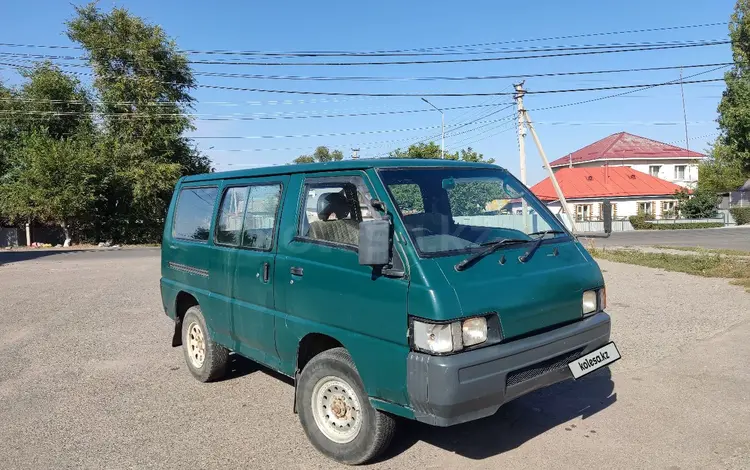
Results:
<point x="454" y="210"/>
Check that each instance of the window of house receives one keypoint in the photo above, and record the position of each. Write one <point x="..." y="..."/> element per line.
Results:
<point x="679" y="172"/>
<point x="192" y="217"/>
<point x="645" y="207"/>
<point x="333" y="209"/>
<point x="584" y="212"/>
<point x="669" y="209"/>
<point x="653" y="170"/>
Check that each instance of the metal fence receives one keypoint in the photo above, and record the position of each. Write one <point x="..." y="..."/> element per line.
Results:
<point x="8" y="236"/>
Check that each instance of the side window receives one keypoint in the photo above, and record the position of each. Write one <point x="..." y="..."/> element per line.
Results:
<point x="260" y="218"/>
<point x="192" y="217"/>
<point x="333" y="208"/>
<point x="229" y="227"/>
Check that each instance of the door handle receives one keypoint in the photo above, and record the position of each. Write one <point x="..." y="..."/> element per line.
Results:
<point x="296" y="271"/>
<point x="266" y="271"/>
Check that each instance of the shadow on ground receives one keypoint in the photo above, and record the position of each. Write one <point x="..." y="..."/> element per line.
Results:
<point x="516" y="422"/>
<point x="15" y="256"/>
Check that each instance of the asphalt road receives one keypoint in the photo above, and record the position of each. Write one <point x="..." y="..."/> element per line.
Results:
<point x="735" y="238"/>
<point x="88" y="380"/>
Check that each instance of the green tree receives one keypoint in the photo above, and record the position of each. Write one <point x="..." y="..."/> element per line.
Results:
<point x="730" y="160"/>
<point x="144" y="83"/>
<point x="43" y="158"/>
<point x="721" y="172"/>
<point x="51" y="180"/>
<point x="432" y="150"/>
<point x="696" y="205"/>
<point x="321" y="154"/>
<point x="465" y="198"/>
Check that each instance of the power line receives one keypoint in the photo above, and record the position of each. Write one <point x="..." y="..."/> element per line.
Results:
<point x="202" y="116"/>
<point x="579" y="52"/>
<point x="418" y="95"/>
<point x="635" y="90"/>
<point x="463" y="46"/>
<point x="452" y="51"/>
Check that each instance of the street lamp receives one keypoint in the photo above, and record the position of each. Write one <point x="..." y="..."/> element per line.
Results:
<point x="442" y="128"/>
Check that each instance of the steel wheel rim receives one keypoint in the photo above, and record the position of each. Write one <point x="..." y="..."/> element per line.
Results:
<point x="196" y="345"/>
<point x="336" y="409"/>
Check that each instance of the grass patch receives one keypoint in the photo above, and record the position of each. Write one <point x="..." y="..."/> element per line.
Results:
<point x="720" y="251"/>
<point x="704" y="264"/>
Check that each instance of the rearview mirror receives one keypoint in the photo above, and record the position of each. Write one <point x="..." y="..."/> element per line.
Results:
<point x="375" y="242"/>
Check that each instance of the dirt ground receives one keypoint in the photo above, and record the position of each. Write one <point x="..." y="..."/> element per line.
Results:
<point x="88" y="379"/>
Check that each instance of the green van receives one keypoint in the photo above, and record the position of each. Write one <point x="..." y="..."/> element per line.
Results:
<point x="431" y="290"/>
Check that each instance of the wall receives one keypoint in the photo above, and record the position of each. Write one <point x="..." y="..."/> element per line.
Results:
<point x="666" y="172"/>
<point x="626" y="207"/>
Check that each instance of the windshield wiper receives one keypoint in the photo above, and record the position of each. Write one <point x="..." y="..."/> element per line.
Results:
<point x="492" y="247"/>
<point x="526" y="256"/>
<point x="547" y="232"/>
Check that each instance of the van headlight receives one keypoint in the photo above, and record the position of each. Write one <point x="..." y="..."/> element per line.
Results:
<point x="594" y="301"/>
<point x="442" y="338"/>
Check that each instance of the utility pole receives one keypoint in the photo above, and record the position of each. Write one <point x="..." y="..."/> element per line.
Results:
<point x="522" y="148"/>
<point x="355" y="154"/>
<point x="442" y="128"/>
<point x="560" y="195"/>
<point x="684" y="112"/>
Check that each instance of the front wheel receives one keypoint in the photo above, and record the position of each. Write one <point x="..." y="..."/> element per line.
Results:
<point x="336" y="413"/>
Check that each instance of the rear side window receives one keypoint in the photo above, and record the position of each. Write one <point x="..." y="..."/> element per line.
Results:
<point x="248" y="215"/>
<point x="192" y="218"/>
<point x="260" y="216"/>
<point x="229" y="228"/>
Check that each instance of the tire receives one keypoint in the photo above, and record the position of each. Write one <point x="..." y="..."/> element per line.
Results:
<point x="214" y="356"/>
<point x="333" y="371"/>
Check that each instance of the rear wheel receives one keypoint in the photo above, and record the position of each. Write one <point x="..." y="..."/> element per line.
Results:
<point x="206" y="360"/>
<point x="336" y="413"/>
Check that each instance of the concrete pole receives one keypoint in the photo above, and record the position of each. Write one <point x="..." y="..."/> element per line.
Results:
<point x="522" y="149"/>
<point x="28" y="232"/>
<point x="442" y="138"/>
<point x="552" y="177"/>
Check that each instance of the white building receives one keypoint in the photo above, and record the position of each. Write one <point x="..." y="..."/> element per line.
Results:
<point x="664" y="161"/>
<point x="629" y="191"/>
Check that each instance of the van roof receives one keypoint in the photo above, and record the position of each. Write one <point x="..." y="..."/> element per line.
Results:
<point x="359" y="164"/>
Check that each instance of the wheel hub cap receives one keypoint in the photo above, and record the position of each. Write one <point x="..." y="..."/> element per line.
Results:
<point x="336" y="409"/>
<point x="196" y="345"/>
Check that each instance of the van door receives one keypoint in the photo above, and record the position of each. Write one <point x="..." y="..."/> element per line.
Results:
<point x="322" y="288"/>
<point x="246" y="239"/>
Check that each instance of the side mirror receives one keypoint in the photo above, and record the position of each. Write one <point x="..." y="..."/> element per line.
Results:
<point x="375" y="242"/>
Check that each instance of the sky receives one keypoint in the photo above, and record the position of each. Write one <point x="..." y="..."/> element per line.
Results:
<point x="232" y="141"/>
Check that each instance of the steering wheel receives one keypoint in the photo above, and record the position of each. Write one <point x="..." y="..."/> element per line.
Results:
<point x="424" y="230"/>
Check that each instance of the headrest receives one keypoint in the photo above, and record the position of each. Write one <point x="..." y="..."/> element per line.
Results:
<point x="333" y="203"/>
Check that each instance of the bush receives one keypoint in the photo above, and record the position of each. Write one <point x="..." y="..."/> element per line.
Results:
<point x="679" y="226"/>
<point x="741" y="215"/>
<point x="641" y="223"/>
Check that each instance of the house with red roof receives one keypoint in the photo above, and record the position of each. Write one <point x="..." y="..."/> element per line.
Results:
<point x="665" y="161"/>
<point x="630" y="192"/>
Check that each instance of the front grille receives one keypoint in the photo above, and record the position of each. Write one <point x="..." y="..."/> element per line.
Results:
<point x="540" y="368"/>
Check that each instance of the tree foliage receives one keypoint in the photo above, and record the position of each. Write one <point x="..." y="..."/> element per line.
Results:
<point x="466" y="199"/>
<point x="51" y="180"/>
<point x="432" y="150"/>
<point x="321" y="154"/>
<point x="111" y="177"/>
<point x="698" y="205"/>
<point x="730" y="156"/>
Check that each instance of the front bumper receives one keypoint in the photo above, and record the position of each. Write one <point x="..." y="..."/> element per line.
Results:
<point x="448" y="390"/>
